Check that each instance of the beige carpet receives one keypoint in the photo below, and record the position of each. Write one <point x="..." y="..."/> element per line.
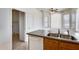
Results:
<point x="17" y="44"/>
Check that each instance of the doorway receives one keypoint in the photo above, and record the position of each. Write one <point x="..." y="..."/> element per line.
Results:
<point x="18" y="29"/>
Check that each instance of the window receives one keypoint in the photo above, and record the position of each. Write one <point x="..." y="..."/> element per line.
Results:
<point x="77" y="20"/>
<point x="46" y="22"/>
<point x="69" y="20"/>
<point x="56" y="20"/>
<point x="66" y="23"/>
<point x="73" y="21"/>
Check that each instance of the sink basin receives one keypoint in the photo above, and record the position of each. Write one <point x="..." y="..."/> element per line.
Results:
<point x="61" y="36"/>
<point x="73" y="38"/>
<point x="65" y="36"/>
<point x="53" y="34"/>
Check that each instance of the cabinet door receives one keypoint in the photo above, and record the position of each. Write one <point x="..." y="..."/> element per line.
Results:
<point x="50" y="44"/>
<point x="35" y="43"/>
<point x="68" y="46"/>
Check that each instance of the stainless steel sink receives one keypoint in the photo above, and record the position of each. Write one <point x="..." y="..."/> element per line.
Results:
<point x="61" y="36"/>
<point x="65" y="36"/>
<point x="53" y="34"/>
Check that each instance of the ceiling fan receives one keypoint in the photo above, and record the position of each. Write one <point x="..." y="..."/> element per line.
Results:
<point x="53" y="10"/>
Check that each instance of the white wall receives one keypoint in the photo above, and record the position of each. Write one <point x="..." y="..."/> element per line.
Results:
<point x="34" y="20"/>
<point x="5" y="28"/>
<point x="56" y="20"/>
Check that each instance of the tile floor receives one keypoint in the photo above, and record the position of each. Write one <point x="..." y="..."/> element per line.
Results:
<point x="17" y="44"/>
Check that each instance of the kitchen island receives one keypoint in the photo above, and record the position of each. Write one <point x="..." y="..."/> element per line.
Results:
<point x="39" y="40"/>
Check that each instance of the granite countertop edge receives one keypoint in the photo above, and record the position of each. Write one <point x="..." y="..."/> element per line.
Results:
<point x="40" y="33"/>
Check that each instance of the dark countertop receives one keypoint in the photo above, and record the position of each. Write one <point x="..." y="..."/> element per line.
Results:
<point x="43" y="33"/>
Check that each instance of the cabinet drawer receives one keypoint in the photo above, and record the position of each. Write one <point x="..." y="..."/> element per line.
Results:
<point x="69" y="46"/>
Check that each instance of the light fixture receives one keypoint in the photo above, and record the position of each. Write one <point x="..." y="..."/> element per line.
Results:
<point x="53" y="10"/>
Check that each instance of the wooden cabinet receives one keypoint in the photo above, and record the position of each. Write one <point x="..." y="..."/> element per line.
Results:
<point x="39" y="43"/>
<point x="68" y="46"/>
<point x="50" y="44"/>
<point x="53" y="44"/>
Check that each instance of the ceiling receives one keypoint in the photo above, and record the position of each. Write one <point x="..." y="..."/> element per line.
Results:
<point x="58" y="9"/>
<point x="48" y="9"/>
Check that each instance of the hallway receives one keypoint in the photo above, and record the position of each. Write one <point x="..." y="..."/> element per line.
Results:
<point x="18" y="30"/>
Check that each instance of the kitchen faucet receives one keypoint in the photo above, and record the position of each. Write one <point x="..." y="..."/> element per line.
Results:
<point x="68" y="32"/>
<point x="58" y="32"/>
